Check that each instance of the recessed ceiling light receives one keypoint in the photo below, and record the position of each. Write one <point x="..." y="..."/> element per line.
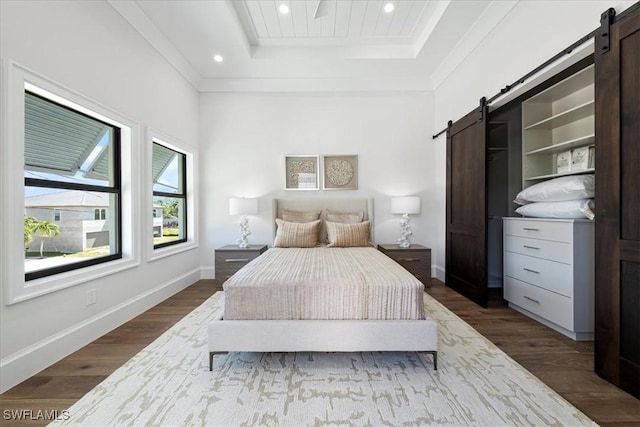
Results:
<point x="218" y="58"/>
<point x="283" y="8"/>
<point x="389" y="7"/>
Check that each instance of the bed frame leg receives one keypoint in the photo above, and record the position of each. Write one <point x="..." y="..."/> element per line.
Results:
<point x="211" y="354"/>
<point x="435" y="358"/>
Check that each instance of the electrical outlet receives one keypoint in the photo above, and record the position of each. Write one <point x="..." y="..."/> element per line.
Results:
<point x="91" y="296"/>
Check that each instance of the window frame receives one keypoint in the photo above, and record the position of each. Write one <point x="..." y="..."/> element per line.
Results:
<point x="181" y="195"/>
<point x="15" y="78"/>
<point x="191" y="170"/>
<point x="114" y="189"/>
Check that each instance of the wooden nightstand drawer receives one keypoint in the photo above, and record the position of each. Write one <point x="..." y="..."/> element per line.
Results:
<point x="229" y="259"/>
<point x="416" y="259"/>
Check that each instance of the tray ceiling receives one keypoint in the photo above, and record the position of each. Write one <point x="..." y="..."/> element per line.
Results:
<point x="326" y="45"/>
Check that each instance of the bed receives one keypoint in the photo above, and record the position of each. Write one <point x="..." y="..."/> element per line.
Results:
<point x="336" y="294"/>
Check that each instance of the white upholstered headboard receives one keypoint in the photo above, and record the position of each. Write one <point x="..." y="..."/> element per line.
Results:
<point x="322" y="205"/>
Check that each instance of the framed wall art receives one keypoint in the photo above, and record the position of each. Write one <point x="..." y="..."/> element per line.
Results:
<point x="340" y="172"/>
<point x="301" y="172"/>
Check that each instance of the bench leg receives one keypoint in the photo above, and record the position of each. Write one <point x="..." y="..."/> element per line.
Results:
<point x="211" y="354"/>
<point x="435" y="358"/>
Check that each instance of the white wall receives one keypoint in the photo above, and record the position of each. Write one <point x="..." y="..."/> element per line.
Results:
<point x="532" y="33"/>
<point x="88" y="48"/>
<point x="244" y="138"/>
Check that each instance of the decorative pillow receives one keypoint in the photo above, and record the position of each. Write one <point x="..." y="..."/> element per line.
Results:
<point x="297" y="234"/>
<point x="348" y="235"/>
<point x="560" y="189"/>
<point x="567" y="209"/>
<point x="299" y="216"/>
<point x="345" y="217"/>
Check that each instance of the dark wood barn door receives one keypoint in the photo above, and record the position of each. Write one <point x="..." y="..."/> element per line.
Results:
<point x="617" y="288"/>
<point x="466" y="233"/>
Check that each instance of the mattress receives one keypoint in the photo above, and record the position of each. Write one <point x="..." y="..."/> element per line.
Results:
<point x="323" y="283"/>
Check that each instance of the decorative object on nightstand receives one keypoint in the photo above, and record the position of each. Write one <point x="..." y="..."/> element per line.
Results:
<point x="405" y="206"/>
<point x="229" y="259"/>
<point x="243" y="207"/>
<point x="416" y="259"/>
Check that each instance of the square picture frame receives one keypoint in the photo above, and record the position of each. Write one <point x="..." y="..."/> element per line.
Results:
<point x="302" y="172"/>
<point x="563" y="162"/>
<point x="340" y="172"/>
<point x="580" y="158"/>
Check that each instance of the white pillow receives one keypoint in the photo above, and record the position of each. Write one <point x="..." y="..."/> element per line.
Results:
<point x="561" y="189"/>
<point x="568" y="209"/>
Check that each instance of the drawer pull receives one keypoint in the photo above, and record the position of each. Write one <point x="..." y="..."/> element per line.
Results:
<point x="531" y="229"/>
<point x="531" y="299"/>
<point x="530" y="247"/>
<point x="531" y="271"/>
<point x="409" y="259"/>
<point x="236" y="260"/>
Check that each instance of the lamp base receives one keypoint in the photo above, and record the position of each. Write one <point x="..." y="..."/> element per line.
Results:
<point x="405" y="231"/>
<point x="243" y="241"/>
<point x="404" y="243"/>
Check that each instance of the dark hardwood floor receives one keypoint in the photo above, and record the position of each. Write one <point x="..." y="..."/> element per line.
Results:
<point x="563" y="364"/>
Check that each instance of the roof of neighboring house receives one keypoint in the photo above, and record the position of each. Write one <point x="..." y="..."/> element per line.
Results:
<point x="68" y="198"/>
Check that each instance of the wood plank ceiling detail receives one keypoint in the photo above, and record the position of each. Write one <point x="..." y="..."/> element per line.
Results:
<point x="335" y="22"/>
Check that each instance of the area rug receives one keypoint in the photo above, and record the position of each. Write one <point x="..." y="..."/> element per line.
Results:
<point x="169" y="384"/>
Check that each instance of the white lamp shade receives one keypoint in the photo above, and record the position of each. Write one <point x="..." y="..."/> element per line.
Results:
<point x="243" y="206"/>
<point x="405" y="205"/>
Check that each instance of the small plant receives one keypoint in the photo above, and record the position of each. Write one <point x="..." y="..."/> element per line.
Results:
<point x="44" y="228"/>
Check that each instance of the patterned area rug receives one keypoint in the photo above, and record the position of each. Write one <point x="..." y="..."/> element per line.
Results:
<point x="169" y="384"/>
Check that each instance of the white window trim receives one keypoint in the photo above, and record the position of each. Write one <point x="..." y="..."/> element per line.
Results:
<point x="14" y="80"/>
<point x="191" y="154"/>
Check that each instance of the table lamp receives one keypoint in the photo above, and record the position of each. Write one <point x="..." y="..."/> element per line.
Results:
<point x="243" y="207"/>
<point x="405" y="206"/>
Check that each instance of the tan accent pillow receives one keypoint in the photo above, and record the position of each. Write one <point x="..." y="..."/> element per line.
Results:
<point x="299" y="216"/>
<point x="297" y="234"/>
<point x="345" y="217"/>
<point x="348" y="235"/>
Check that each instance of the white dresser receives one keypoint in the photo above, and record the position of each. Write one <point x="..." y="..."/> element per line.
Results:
<point x="549" y="271"/>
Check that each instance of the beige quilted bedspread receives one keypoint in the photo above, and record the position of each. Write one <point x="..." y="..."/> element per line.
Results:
<point x="323" y="283"/>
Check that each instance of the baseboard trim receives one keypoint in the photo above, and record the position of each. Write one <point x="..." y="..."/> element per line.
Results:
<point x="207" y="272"/>
<point x="437" y="272"/>
<point x="22" y="365"/>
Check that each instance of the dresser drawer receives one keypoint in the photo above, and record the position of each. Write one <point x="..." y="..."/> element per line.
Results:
<point x="229" y="259"/>
<point x="415" y="259"/>
<point x="410" y="257"/>
<point x="223" y="274"/>
<point x="547" y="249"/>
<point x="558" y="231"/>
<point x="551" y="306"/>
<point x="553" y="276"/>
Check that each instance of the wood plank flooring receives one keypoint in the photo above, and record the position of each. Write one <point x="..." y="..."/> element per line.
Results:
<point x="563" y="364"/>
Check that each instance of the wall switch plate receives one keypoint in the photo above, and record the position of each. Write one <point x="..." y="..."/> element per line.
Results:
<point x="91" y="296"/>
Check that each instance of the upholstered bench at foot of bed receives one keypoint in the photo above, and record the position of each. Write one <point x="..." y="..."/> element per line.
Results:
<point x="323" y="336"/>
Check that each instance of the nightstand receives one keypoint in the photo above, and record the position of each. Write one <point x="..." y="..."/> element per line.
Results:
<point x="231" y="258"/>
<point x="416" y="259"/>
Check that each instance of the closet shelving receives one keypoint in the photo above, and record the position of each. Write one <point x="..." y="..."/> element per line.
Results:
<point x="557" y="120"/>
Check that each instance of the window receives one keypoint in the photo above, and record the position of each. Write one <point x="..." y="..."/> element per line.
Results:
<point x="169" y="169"/>
<point x="72" y="163"/>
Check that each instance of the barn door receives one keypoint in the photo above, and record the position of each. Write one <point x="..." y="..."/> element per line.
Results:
<point x="617" y="287"/>
<point x="466" y="236"/>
